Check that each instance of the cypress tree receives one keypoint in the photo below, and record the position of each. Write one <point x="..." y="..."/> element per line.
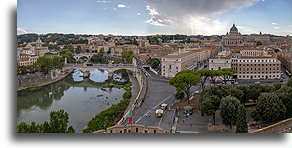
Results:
<point x="241" y="124"/>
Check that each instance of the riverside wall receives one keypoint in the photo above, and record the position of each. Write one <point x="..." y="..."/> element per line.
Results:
<point x="40" y="79"/>
<point x="275" y="127"/>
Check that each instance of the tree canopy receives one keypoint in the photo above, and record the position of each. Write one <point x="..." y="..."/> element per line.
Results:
<point x="58" y="124"/>
<point x="184" y="80"/>
<point x="228" y="110"/>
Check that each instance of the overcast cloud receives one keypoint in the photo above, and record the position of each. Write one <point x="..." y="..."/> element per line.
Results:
<point x="192" y="16"/>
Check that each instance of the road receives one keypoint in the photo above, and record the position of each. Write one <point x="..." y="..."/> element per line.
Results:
<point x="159" y="91"/>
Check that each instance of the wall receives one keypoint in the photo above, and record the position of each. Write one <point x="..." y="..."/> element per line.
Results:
<point x="131" y="128"/>
<point x="277" y="127"/>
<point x="39" y="79"/>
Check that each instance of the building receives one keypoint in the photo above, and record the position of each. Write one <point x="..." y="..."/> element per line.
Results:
<point x="131" y="128"/>
<point x="253" y="63"/>
<point x="233" y="38"/>
<point x="222" y="60"/>
<point x="39" y="49"/>
<point x="258" y="67"/>
<point x="175" y="62"/>
<point x="26" y="60"/>
<point x="285" y="58"/>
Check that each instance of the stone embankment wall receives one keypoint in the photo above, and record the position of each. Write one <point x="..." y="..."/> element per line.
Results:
<point x="277" y="127"/>
<point x="40" y="79"/>
<point x="142" y="81"/>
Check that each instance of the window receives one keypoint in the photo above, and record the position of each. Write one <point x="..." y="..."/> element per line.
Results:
<point x="137" y="130"/>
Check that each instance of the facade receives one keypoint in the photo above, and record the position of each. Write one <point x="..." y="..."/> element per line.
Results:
<point x="258" y="67"/>
<point x="233" y="38"/>
<point x="251" y="63"/>
<point x="175" y="62"/>
<point x="285" y="58"/>
<point x="131" y="128"/>
<point x="26" y="59"/>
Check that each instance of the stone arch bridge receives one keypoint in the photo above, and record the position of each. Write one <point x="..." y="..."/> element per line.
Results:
<point x="85" y="68"/>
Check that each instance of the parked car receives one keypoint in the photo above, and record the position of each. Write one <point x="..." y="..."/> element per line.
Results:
<point x="188" y="112"/>
<point x="197" y="92"/>
<point x="257" y="82"/>
<point x="235" y="83"/>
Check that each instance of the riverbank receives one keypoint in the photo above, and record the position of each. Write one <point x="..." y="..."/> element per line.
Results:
<point x="112" y="115"/>
<point x="40" y="85"/>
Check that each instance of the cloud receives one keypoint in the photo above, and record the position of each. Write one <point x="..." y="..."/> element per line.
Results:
<point x="157" y="19"/>
<point x="122" y="6"/>
<point x="104" y="1"/>
<point x="277" y="27"/>
<point x="274" y="23"/>
<point x="21" y="31"/>
<point x="138" y="13"/>
<point x="192" y="16"/>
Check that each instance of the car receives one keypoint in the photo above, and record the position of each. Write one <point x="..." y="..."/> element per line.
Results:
<point x="235" y="83"/>
<point x="163" y="106"/>
<point x="188" y="112"/>
<point x="257" y="82"/>
<point x="197" y="92"/>
<point x="269" y="82"/>
<point x="281" y="80"/>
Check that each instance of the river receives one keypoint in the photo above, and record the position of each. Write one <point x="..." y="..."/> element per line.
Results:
<point x="79" y="97"/>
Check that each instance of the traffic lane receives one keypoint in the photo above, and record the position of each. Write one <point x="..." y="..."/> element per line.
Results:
<point x="167" y="120"/>
<point x="158" y="93"/>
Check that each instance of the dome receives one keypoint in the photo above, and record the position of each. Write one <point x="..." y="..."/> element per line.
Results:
<point x="39" y="41"/>
<point x="233" y="29"/>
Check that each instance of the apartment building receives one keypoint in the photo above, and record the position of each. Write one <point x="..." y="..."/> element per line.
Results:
<point x="175" y="62"/>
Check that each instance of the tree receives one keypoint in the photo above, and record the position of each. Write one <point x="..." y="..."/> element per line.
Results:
<point x="98" y="58"/>
<point x="237" y="93"/>
<point x="270" y="107"/>
<point x="44" y="64"/>
<point x="258" y="43"/>
<point x="245" y="91"/>
<point x="241" y="123"/>
<point x="153" y="62"/>
<point x="285" y="95"/>
<point x="57" y="62"/>
<point x="58" y="124"/>
<point x="220" y="91"/>
<point x="289" y="82"/>
<point x="210" y="105"/>
<point x="128" y="55"/>
<point x="179" y="95"/>
<point x="254" y="92"/>
<point x="184" y="80"/>
<point x="228" y="110"/>
<point x="78" y="50"/>
<point x="205" y="75"/>
<point x="227" y="74"/>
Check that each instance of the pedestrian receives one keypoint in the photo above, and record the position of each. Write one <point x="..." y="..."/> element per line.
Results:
<point x="183" y="119"/>
<point x="190" y="125"/>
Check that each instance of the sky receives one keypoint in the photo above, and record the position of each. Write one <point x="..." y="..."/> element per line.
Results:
<point x="150" y="17"/>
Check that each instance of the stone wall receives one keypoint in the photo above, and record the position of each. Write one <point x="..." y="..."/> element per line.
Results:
<point x="40" y="79"/>
<point x="277" y="127"/>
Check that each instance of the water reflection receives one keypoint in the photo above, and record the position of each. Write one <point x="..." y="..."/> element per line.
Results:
<point x="82" y="100"/>
<point x="98" y="75"/>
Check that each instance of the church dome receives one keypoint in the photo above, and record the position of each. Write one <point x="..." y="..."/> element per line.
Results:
<point x="39" y="41"/>
<point x="233" y="29"/>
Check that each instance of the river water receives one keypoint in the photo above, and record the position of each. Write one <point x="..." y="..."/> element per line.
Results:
<point x="79" y="97"/>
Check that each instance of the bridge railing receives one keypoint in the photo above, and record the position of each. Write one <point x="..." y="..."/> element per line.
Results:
<point x="101" y="65"/>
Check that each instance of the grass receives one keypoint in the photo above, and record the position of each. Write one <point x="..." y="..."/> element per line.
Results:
<point x="30" y="89"/>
